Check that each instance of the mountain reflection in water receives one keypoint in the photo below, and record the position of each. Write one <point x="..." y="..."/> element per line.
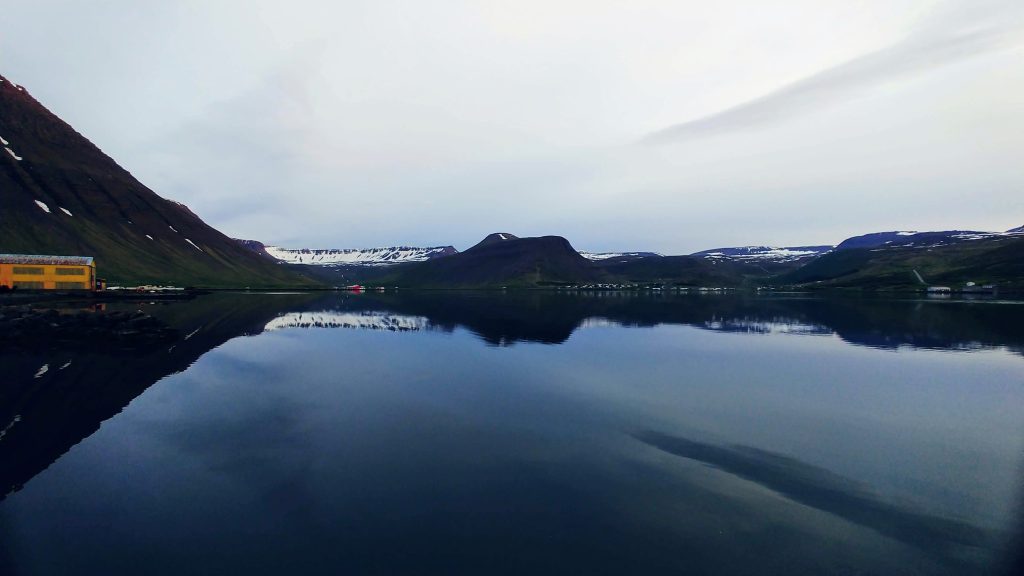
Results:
<point x="551" y="318"/>
<point x="55" y="397"/>
<point x="45" y="414"/>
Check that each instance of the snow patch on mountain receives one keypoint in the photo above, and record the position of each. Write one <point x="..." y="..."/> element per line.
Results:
<point x="42" y="206"/>
<point x="598" y="256"/>
<point x="364" y="257"/>
<point x="765" y="253"/>
<point x="13" y="155"/>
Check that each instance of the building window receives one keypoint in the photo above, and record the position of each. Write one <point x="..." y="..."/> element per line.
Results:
<point x="28" y="285"/>
<point x="70" y="285"/>
<point x="70" y="271"/>
<point x="33" y="270"/>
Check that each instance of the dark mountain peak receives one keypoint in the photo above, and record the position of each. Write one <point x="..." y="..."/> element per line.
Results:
<point x="495" y="238"/>
<point x="501" y="243"/>
<point x="503" y="260"/>
<point x="1017" y="230"/>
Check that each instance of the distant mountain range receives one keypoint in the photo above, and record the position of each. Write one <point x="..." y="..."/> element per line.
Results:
<point x="502" y="259"/>
<point x="62" y="195"/>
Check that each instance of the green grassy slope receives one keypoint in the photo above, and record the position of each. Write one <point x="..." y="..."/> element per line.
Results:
<point x="997" y="261"/>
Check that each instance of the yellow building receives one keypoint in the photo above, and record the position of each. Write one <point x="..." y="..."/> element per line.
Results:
<point x="35" y="272"/>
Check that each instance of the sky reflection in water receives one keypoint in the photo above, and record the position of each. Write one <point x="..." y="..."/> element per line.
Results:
<point x="711" y="435"/>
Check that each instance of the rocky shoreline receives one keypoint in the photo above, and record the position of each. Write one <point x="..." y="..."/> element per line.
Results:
<point x="24" y="326"/>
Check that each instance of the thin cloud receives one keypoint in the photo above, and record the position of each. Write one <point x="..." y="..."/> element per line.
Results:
<point x="943" y="39"/>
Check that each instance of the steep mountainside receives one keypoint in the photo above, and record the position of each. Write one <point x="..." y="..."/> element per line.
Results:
<point x="62" y="195"/>
<point x="501" y="260"/>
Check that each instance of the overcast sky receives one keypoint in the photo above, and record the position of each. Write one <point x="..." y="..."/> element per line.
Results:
<point x="671" y="126"/>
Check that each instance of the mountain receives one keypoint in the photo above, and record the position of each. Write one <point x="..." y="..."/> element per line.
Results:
<point x="359" y="257"/>
<point x="942" y="260"/>
<point x="344" y="267"/>
<point x="759" y="254"/>
<point x="919" y="239"/>
<point x="505" y="260"/>
<point x="765" y="260"/>
<point x="62" y="195"/>
<point x="498" y="260"/>
<point x="874" y="239"/>
<point x="1017" y="230"/>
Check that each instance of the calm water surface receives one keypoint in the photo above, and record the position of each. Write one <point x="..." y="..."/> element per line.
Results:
<point x="523" y="433"/>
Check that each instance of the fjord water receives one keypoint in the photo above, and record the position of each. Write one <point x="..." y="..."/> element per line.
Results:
<point x="523" y="433"/>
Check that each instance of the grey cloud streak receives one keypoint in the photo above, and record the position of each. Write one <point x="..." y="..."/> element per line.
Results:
<point x="942" y="40"/>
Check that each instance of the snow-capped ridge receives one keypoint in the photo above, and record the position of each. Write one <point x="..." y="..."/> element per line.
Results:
<point x="765" y="253"/>
<point x="920" y="239"/>
<point x="385" y="256"/>
<point x="598" y="256"/>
